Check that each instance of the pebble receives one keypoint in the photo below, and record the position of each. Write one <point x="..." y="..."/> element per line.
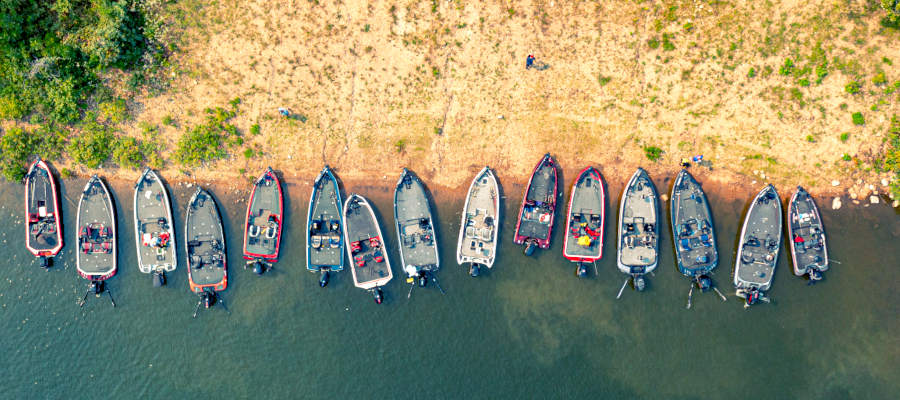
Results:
<point x="755" y="172"/>
<point x="855" y="201"/>
<point x="190" y="185"/>
<point x="836" y="203"/>
<point x="664" y="197"/>
<point x="762" y="176"/>
<point x="384" y="177"/>
<point x="835" y="183"/>
<point x="871" y="187"/>
<point x="853" y="196"/>
<point x="895" y="203"/>
<point x="884" y="182"/>
<point x="859" y="181"/>
<point x="873" y="199"/>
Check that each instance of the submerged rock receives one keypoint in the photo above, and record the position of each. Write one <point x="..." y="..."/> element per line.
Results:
<point x="836" y="203"/>
<point x="873" y="199"/>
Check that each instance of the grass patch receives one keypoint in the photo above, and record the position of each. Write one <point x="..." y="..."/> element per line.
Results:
<point x="858" y="118"/>
<point x="206" y="142"/>
<point x="879" y="79"/>
<point x="845" y="136"/>
<point x="254" y="129"/>
<point x="400" y="145"/>
<point x="18" y="145"/>
<point x="852" y="87"/>
<point x="653" y="153"/>
<point x="787" y="68"/>
<point x="603" y="79"/>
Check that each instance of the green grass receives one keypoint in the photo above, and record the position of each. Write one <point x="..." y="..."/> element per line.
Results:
<point x="858" y="118"/>
<point x="852" y="87"/>
<point x="787" y="68"/>
<point x="879" y="79"/>
<point x="751" y="73"/>
<point x="810" y="138"/>
<point x="603" y="79"/>
<point x="254" y="129"/>
<point x="653" y="43"/>
<point x="206" y="142"/>
<point x="400" y="145"/>
<point x="845" y="136"/>
<point x="653" y="153"/>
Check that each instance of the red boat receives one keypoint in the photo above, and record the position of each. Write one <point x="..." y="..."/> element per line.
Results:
<point x="535" y="225"/>
<point x="585" y="219"/>
<point x="43" y="235"/>
<point x="262" y="230"/>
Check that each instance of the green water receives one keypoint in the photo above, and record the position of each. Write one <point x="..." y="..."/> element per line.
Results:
<point x="528" y="328"/>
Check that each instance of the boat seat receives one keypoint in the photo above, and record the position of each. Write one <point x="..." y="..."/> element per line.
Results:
<point x="85" y="232"/>
<point x="107" y="247"/>
<point x="316" y="241"/>
<point x="196" y="261"/>
<point x="629" y="228"/>
<point x="106" y="232"/>
<point x="472" y="245"/>
<point x="378" y="257"/>
<point x="271" y="232"/>
<point x="335" y="226"/>
<point x="314" y="226"/>
<point x="576" y="217"/>
<point x="705" y="241"/>
<point x="335" y="241"/>
<point x="487" y="234"/>
<point x="85" y="248"/>
<point x="703" y="259"/>
<point x="360" y="261"/>
<point x="254" y="231"/>
<point x="355" y="247"/>
<point x="470" y="232"/>
<point x="97" y="248"/>
<point x="409" y="241"/>
<point x="629" y="241"/>
<point x="32" y="218"/>
<point x="374" y="242"/>
<point x="686" y="244"/>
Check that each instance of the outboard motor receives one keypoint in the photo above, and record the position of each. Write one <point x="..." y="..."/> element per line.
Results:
<point x="752" y="297"/>
<point x="45" y="262"/>
<point x="97" y="287"/>
<point x="530" y="245"/>
<point x="323" y="279"/>
<point x="704" y="283"/>
<point x="581" y="270"/>
<point x="209" y="299"/>
<point x="474" y="270"/>
<point x="639" y="283"/>
<point x="379" y="296"/>
<point x="258" y="268"/>
<point x="159" y="278"/>
<point x="423" y="279"/>
<point x="814" y="275"/>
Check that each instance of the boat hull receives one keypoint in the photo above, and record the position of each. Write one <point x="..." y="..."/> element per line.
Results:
<point x="366" y="248"/>
<point x="205" y="244"/>
<point x="96" y="224"/>
<point x="264" y="219"/>
<point x="585" y="218"/>
<point x="536" y="215"/>
<point x="759" y="243"/>
<point x="693" y="230"/>
<point x="481" y="213"/>
<point x="415" y="226"/>
<point x="638" y="237"/>
<point x="810" y="250"/>
<point x="153" y="225"/>
<point x="42" y="216"/>
<point x="324" y="242"/>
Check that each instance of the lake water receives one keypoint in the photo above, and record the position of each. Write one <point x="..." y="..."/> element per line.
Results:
<point x="527" y="328"/>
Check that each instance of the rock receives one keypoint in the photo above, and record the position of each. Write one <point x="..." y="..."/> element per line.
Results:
<point x="190" y="185"/>
<point x="836" y="203"/>
<point x="499" y="117"/>
<point x="871" y="187"/>
<point x="855" y="201"/>
<point x="859" y="181"/>
<point x="289" y="156"/>
<point x="884" y="182"/>
<point x="853" y="196"/>
<point x="895" y="203"/>
<point x="875" y="192"/>
<point x="835" y="183"/>
<point x="873" y="199"/>
<point x="664" y="197"/>
<point x="762" y="176"/>
<point x="755" y="172"/>
<point x="384" y="177"/>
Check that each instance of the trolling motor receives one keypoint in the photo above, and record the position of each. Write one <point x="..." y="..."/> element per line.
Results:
<point x="45" y="262"/>
<point x="209" y="298"/>
<point x="581" y="270"/>
<point x="474" y="270"/>
<point x="259" y="266"/>
<point x="379" y="296"/>
<point x="96" y="287"/>
<point x="159" y="278"/>
<point x="530" y="245"/>
<point x="422" y="278"/>
<point x="323" y="278"/>
<point x="639" y="283"/>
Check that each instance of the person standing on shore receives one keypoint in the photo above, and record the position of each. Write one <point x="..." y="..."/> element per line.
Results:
<point x="529" y="62"/>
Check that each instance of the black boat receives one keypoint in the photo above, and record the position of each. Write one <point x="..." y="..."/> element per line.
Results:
<point x="97" y="250"/>
<point x="205" y="245"/>
<point x="758" y="247"/>
<point x="324" y="246"/>
<point x="415" y="230"/>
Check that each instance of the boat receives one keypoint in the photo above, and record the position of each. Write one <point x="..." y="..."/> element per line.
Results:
<point x="154" y="228"/>
<point x="693" y="234"/>
<point x="97" y="250"/>
<point x="324" y="246"/>
<point x="415" y="230"/>
<point x="535" y="224"/>
<point x="809" y="253"/>
<point x="262" y="229"/>
<point x="758" y="247"/>
<point x="585" y="219"/>
<point x="43" y="233"/>
<point x="371" y="267"/>
<point x="638" y="244"/>
<point x="477" y="243"/>
<point x="205" y="244"/>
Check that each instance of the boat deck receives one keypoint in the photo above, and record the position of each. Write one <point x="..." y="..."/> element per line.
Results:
<point x="695" y="242"/>
<point x="156" y="244"/>
<point x="479" y="228"/>
<point x="639" y="239"/>
<point x="585" y="220"/>
<point x="759" y="245"/>
<point x="325" y="249"/>
<point x="262" y="229"/>
<point x="370" y="262"/>
<point x="537" y="215"/>
<point x="43" y="227"/>
<point x="807" y="235"/>
<point x="414" y="225"/>
<point x="205" y="241"/>
<point x="96" y="231"/>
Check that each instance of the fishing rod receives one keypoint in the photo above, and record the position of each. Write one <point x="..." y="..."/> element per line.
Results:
<point x="690" y="294"/>
<point x="436" y="282"/>
<point x="110" y="297"/>
<point x="200" y="303"/>
<point x="595" y="268"/>
<point x="720" y="293"/>
<point x="411" y="286"/>
<point x="221" y="301"/>
<point x="85" y="297"/>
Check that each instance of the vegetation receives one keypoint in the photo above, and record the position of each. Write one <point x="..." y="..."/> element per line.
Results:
<point x="206" y="142"/>
<point x="254" y="129"/>
<point x="18" y="145"/>
<point x="787" y="68"/>
<point x="653" y="153"/>
<point x="400" y="145"/>
<point x="852" y="87"/>
<point x="603" y="79"/>
<point x="92" y="147"/>
<point x="845" y="136"/>
<point x="893" y="10"/>
<point x="858" y="119"/>
<point x="879" y="79"/>
<point x="751" y="73"/>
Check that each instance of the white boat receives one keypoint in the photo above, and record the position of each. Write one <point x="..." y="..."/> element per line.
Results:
<point x="365" y="246"/>
<point x="480" y="221"/>
<point x="154" y="228"/>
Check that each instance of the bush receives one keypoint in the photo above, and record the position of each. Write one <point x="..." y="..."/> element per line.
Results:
<point x="667" y="43"/>
<point x="821" y="72"/>
<point x="248" y="153"/>
<point x="846" y="157"/>
<point x="810" y="138"/>
<point x="254" y="129"/>
<point x="787" y="68"/>
<point x="400" y="145"/>
<point x="11" y="108"/>
<point x="92" y="147"/>
<point x="206" y="142"/>
<point x="18" y="145"/>
<point x="603" y="80"/>
<point x="803" y="82"/>
<point x="66" y="173"/>
<point x="879" y="79"/>
<point x="751" y="73"/>
<point x="653" y="43"/>
<point x="858" y="119"/>
<point x="127" y="153"/>
<point x="893" y="10"/>
<point x="653" y="153"/>
<point x="845" y="136"/>
<point x="114" y="111"/>
<point x="852" y="87"/>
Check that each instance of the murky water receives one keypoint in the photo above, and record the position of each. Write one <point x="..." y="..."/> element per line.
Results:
<point x="526" y="328"/>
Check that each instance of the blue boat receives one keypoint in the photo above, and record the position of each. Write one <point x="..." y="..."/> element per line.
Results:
<point x="324" y="247"/>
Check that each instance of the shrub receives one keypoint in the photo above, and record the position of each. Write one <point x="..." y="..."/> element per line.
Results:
<point x="400" y="145"/>
<point x="114" y="111"/>
<point x="91" y="148"/>
<point x="843" y="106"/>
<point x="858" y="119"/>
<point x="821" y="72"/>
<point x="66" y="173"/>
<point x="667" y="43"/>
<point x="653" y="43"/>
<point x="846" y="157"/>
<point x="893" y="10"/>
<point x="11" y="108"/>
<point x="688" y="27"/>
<point x="787" y="68"/>
<point x="887" y="61"/>
<point x="845" y="136"/>
<point x="751" y="73"/>
<point x="810" y="138"/>
<point x="127" y="153"/>
<point x="254" y="129"/>
<point x="168" y="120"/>
<point x="603" y="80"/>
<point x="879" y="79"/>
<point x="248" y="153"/>
<point x="796" y="94"/>
<point x="852" y="87"/>
<point x="803" y="82"/>
<point x="206" y="142"/>
<point x="653" y="153"/>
